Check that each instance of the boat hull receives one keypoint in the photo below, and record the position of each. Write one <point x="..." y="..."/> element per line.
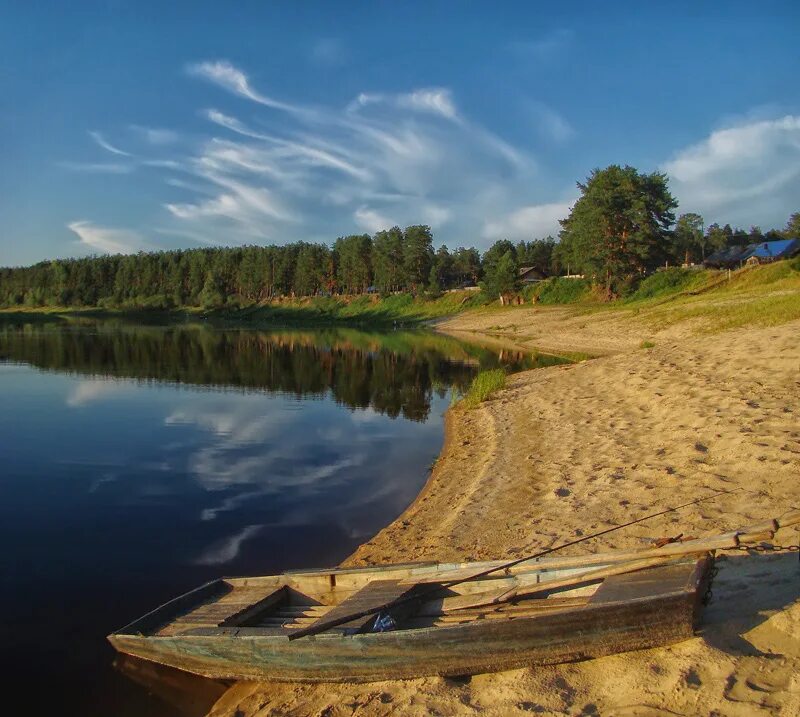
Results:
<point x="471" y="648"/>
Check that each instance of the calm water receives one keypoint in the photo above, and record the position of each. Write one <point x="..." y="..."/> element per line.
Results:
<point x="139" y="461"/>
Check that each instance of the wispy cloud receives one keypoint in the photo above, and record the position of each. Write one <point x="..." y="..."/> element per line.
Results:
<point x="436" y="100"/>
<point x="551" y="124"/>
<point x="225" y="75"/>
<point x="372" y="221"/>
<point x="106" y="145"/>
<point x="528" y="222"/>
<point x="745" y="172"/>
<point x="310" y="171"/>
<point x="106" y="239"/>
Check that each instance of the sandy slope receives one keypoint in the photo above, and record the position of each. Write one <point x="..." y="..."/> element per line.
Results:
<point x="581" y="447"/>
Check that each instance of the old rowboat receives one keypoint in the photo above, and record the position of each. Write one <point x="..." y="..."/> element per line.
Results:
<point x="540" y="612"/>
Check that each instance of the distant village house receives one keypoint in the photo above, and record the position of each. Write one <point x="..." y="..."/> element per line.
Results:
<point x="751" y="254"/>
<point x="530" y="275"/>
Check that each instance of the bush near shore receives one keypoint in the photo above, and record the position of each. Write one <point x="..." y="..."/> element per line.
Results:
<point x="483" y="386"/>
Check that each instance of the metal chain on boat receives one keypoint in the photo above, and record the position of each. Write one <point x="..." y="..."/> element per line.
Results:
<point x="709" y="593"/>
<point x="764" y="548"/>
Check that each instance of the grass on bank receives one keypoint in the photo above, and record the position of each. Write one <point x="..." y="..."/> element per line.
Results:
<point x="483" y="386"/>
<point x="362" y="311"/>
<point x="766" y="295"/>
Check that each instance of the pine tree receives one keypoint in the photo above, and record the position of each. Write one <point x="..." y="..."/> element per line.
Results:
<point x="619" y="227"/>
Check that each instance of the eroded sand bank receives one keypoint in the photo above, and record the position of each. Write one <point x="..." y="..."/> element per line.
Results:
<point x="582" y="447"/>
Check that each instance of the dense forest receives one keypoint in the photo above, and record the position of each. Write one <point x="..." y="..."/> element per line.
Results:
<point x="394" y="260"/>
<point x="620" y="229"/>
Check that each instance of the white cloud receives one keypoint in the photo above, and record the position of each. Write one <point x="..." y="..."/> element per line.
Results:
<point x="106" y="239"/>
<point x="748" y="173"/>
<point x="390" y="158"/>
<point x="527" y="223"/>
<point x="251" y="206"/>
<point x="435" y="215"/>
<point x="435" y="100"/>
<point x="371" y="220"/>
<point x="97" y="137"/>
<point x="232" y="124"/>
<point x="224" y="74"/>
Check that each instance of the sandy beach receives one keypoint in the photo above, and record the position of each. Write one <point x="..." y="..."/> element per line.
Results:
<point x="570" y="450"/>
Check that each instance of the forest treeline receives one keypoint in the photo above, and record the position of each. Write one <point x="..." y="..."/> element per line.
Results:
<point x="395" y="260"/>
<point x="620" y="229"/>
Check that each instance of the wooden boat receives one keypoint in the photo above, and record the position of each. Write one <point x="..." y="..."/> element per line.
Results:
<point x="542" y="611"/>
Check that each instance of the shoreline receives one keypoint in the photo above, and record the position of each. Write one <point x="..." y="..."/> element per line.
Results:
<point x="571" y="449"/>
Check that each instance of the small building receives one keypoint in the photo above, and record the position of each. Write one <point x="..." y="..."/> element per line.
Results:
<point x="530" y="275"/>
<point x="760" y="253"/>
<point x="770" y="251"/>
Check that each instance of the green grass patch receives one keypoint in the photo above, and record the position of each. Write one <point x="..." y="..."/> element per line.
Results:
<point x="716" y="316"/>
<point x="668" y="283"/>
<point x="558" y="290"/>
<point x="646" y="345"/>
<point x="483" y="386"/>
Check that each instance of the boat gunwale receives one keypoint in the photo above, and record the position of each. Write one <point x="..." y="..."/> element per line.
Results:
<point x="201" y="591"/>
<point x="694" y="579"/>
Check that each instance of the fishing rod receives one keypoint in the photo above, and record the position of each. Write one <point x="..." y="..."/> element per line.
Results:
<point x="403" y="600"/>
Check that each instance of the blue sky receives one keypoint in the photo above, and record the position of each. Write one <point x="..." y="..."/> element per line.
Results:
<point x="129" y="126"/>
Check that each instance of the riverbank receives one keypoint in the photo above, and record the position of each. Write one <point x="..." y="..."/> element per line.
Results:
<point x="362" y="311"/>
<point x="677" y="407"/>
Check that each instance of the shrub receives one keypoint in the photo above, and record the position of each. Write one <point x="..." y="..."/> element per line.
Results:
<point x="561" y="291"/>
<point x="483" y="386"/>
<point x="666" y="282"/>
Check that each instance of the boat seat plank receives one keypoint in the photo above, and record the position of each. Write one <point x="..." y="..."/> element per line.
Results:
<point x="232" y="609"/>
<point x="372" y="596"/>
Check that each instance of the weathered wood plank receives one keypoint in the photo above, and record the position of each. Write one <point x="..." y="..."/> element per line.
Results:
<point x="251" y="611"/>
<point x="371" y="597"/>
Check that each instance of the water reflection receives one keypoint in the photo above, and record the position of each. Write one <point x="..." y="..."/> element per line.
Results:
<point x="189" y="695"/>
<point x="393" y="373"/>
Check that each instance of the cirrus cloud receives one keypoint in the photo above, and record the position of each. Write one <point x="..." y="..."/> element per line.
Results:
<point x="107" y="240"/>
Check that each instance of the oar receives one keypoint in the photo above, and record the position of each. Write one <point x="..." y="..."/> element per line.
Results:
<point x="324" y="625"/>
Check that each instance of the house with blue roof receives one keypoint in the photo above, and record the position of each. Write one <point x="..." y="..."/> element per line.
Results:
<point x="768" y="251"/>
<point x="733" y="257"/>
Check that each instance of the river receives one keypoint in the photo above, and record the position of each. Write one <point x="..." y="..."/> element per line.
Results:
<point x="138" y="461"/>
